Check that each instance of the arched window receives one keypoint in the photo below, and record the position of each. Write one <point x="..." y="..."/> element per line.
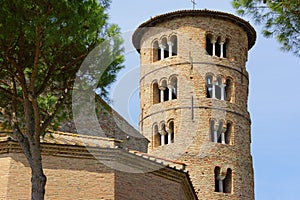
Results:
<point x="225" y="48"/>
<point x="156" y="51"/>
<point x="228" y="133"/>
<point x="217" y="172"/>
<point x="228" y="90"/>
<point x="164" y="47"/>
<point x="156" y="136"/>
<point x="155" y="93"/>
<point x="209" y="86"/>
<point x="223" y="182"/>
<point x="228" y="181"/>
<point x="174" y="45"/>
<point x="173" y="88"/>
<point x="209" y="45"/>
<point x="171" y="132"/>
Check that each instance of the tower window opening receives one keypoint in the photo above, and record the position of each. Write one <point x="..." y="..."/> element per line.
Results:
<point x="156" y="136"/>
<point x="155" y="93"/>
<point x="209" y="46"/>
<point x="225" y="48"/>
<point x="228" y="181"/>
<point x="218" y="181"/>
<point x="156" y="52"/>
<point x="171" y="134"/>
<point x="219" y="133"/>
<point x="173" y="88"/>
<point x="228" y="133"/>
<point x="164" y="48"/>
<point x="174" y="45"/>
<point x="166" y="94"/>
<point x="223" y="181"/>
<point x="228" y="90"/>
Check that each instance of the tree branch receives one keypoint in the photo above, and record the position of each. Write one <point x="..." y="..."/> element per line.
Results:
<point x="36" y="58"/>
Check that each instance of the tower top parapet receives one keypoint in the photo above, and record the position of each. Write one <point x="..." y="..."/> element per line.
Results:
<point x="251" y="33"/>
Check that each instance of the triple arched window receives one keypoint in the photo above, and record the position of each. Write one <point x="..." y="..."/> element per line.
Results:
<point x="220" y="131"/>
<point x="164" y="48"/>
<point x="163" y="133"/>
<point x="216" y="45"/>
<point x="165" y="90"/>
<point x="223" y="180"/>
<point x="218" y="88"/>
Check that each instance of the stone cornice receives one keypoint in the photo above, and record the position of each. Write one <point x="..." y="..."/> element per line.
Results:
<point x="138" y="34"/>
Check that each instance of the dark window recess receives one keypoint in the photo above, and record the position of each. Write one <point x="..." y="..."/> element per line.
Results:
<point x="209" y="46"/>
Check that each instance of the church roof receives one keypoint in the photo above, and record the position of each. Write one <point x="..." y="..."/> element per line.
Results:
<point x="201" y="13"/>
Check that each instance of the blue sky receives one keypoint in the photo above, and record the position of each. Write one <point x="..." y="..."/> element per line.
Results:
<point x="273" y="100"/>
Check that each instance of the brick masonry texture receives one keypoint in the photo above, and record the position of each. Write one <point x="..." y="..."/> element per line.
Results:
<point x="192" y="63"/>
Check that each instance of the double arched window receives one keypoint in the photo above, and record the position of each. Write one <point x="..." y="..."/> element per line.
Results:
<point x="164" y="48"/>
<point x="220" y="131"/>
<point x="223" y="180"/>
<point x="163" y="134"/>
<point x="165" y="90"/>
<point x="218" y="88"/>
<point x="216" y="45"/>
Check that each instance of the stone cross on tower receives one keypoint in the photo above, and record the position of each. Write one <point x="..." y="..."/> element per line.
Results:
<point x="194" y="4"/>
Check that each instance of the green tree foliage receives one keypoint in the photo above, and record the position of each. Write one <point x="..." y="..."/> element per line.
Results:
<point x="280" y="18"/>
<point x="42" y="45"/>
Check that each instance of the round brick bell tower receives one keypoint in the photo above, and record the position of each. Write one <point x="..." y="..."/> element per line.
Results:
<point x="193" y="97"/>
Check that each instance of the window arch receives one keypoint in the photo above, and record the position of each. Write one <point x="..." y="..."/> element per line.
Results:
<point x="155" y="93"/>
<point x="156" y="136"/>
<point x="219" y="132"/>
<point x="223" y="181"/>
<point x="156" y="51"/>
<point x="228" y="89"/>
<point x="171" y="133"/>
<point x="164" y="46"/>
<point x="174" y="43"/>
<point x="228" y="181"/>
<point x="228" y="132"/>
<point x="173" y="88"/>
<point x="209" y="44"/>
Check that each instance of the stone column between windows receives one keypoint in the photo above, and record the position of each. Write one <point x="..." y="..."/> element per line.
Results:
<point x="213" y="90"/>
<point x="169" y="131"/>
<point x="222" y="137"/>
<point x="222" y="86"/>
<point x="170" y="48"/>
<point x="222" y="49"/>
<point x="216" y="133"/>
<point x="162" y="88"/>
<point x="220" y="179"/>
<point x="162" y="51"/>
<point x="162" y="137"/>
<point x="213" y="42"/>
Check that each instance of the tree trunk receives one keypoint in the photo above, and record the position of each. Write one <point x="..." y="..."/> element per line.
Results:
<point x="38" y="178"/>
